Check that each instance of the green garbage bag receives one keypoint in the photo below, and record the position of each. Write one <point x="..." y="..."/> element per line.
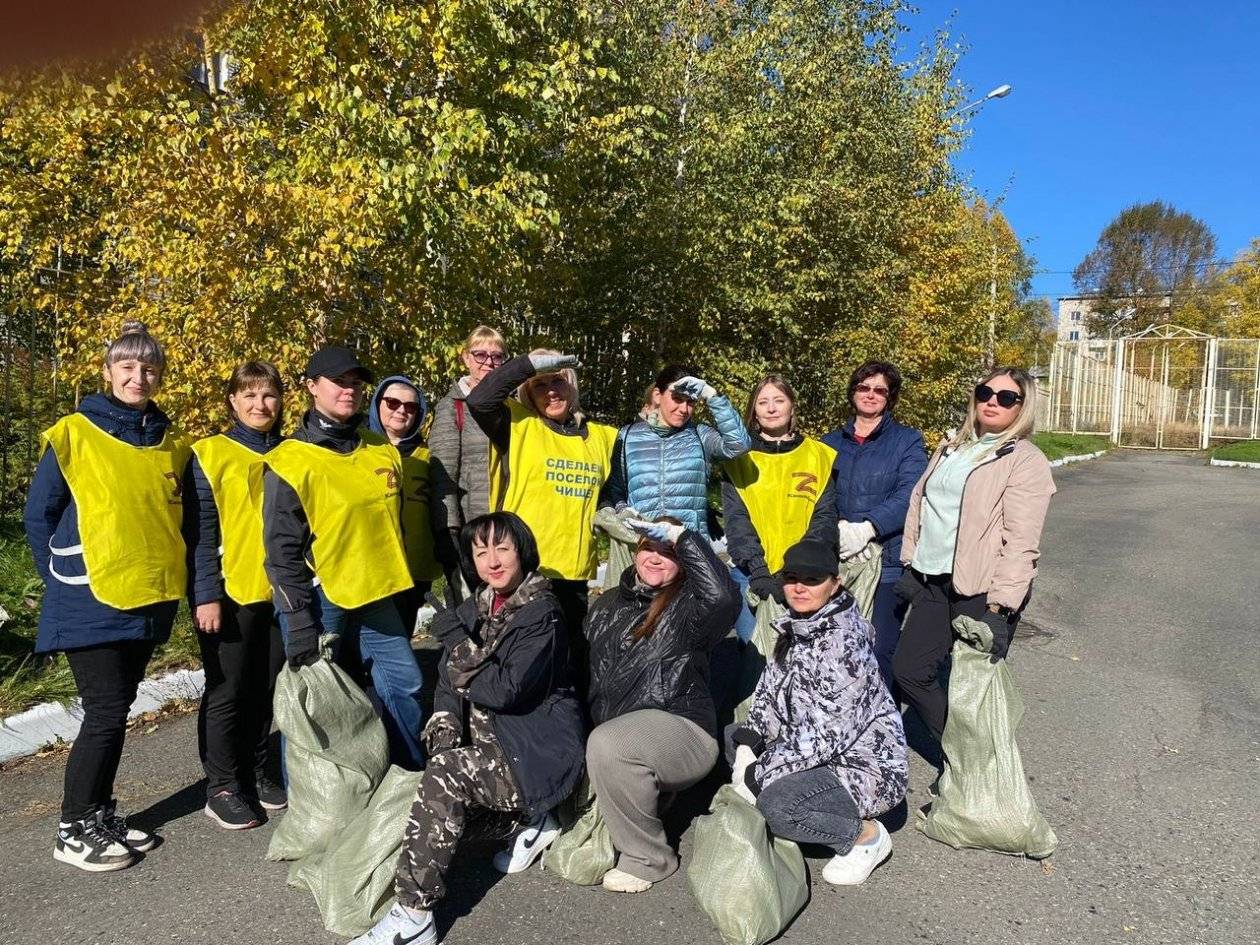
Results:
<point x="984" y="799"/>
<point x="758" y="652"/>
<point x="622" y="541"/>
<point x="749" y="883"/>
<point x="583" y="853"/>
<point x="861" y="579"/>
<point x="353" y="880"/>
<point x="335" y="753"/>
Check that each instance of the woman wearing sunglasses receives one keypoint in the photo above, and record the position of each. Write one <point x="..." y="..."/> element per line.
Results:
<point x="397" y="413"/>
<point x="878" y="461"/>
<point x="972" y="536"/>
<point x="459" y="464"/>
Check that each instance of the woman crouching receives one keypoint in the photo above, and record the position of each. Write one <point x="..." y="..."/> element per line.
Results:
<point x="822" y="751"/>
<point x="503" y="678"/>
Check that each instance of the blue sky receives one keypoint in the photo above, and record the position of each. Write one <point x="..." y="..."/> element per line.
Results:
<point x="1115" y="102"/>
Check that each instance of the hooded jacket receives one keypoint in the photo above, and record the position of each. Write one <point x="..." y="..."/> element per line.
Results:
<point x="670" y="669"/>
<point x="408" y="444"/>
<point x="71" y="617"/>
<point x="660" y="470"/>
<point x="459" y="465"/>
<point x="825" y="704"/>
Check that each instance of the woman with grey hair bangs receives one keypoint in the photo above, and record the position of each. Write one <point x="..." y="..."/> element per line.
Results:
<point x="972" y="536"/>
<point x="103" y="519"/>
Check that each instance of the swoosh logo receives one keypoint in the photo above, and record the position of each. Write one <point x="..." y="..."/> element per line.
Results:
<point x="529" y="844"/>
<point x="399" y="940"/>
<point x="72" y="846"/>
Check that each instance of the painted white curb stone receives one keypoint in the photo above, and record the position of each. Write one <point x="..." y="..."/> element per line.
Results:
<point x="1079" y="458"/>
<point x="27" y="732"/>
<point x="1235" y="462"/>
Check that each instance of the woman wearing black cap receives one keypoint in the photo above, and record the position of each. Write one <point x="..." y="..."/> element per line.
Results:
<point x="822" y="752"/>
<point x="335" y="553"/>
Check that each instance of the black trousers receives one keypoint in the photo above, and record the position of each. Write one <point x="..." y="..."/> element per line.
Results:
<point x="574" y="598"/>
<point x="241" y="662"/>
<point x="107" y="677"/>
<point x="926" y="639"/>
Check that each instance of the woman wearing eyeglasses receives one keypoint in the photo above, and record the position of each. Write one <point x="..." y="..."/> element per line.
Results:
<point x="397" y="413"/>
<point x="878" y="461"/>
<point x="459" y="464"/>
<point x="972" y="536"/>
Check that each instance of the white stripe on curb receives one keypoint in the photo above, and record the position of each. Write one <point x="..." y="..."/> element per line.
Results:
<point x="1079" y="458"/>
<point x="1235" y="462"/>
<point x="27" y="732"/>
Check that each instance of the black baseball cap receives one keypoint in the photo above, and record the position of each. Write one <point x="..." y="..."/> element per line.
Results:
<point x="333" y="361"/>
<point x="811" y="558"/>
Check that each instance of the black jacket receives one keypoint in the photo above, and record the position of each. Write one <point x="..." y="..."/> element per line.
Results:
<point x="286" y="532"/>
<point x="670" y="669"/>
<point x="527" y="690"/>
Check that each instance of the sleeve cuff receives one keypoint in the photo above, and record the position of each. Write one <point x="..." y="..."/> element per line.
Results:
<point x="750" y="738"/>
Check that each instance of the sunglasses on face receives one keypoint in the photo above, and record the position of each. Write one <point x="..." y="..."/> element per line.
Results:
<point x="488" y="357"/>
<point x="868" y="389"/>
<point x="409" y="407"/>
<point x="1005" y="398"/>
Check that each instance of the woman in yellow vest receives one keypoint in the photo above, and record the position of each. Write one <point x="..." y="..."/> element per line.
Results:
<point x="241" y="649"/>
<point x="332" y="500"/>
<point x="104" y="518"/>
<point x="778" y="493"/>
<point x="397" y="412"/>
<point x="548" y="465"/>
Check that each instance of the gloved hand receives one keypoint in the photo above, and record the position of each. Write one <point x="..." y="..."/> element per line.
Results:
<point x="767" y="587"/>
<point x="866" y="554"/>
<point x="613" y="524"/>
<point x="663" y="532"/>
<point x="744" y="757"/>
<point x="446" y="627"/>
<point x="907" y="587"/>
<point x="1003" y="630"/>
<point x="303" y="647"/>
<point x="441" y="733"/>
<point x="550" y="363"/>
<point x="693" y="388"/>
<point x="853" y="536"/>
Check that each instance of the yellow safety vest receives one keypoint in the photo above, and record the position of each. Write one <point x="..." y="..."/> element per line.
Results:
<point x="417" y="528"/>
<point x="351" y="501"/>
<point x="235" y="474"/>
<point x="130" y="509"/>
<point x="780" y="491"/>
<point x="553" y="484"/>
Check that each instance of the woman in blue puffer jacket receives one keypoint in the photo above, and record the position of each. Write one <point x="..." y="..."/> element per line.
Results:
<point x="660" y="464"/>
<point x="878" y="462"/>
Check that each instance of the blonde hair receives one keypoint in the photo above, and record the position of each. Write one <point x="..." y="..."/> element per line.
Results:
<point x="136" y="344"/>
<point x="486" y="334"/>
<point x="1022" y="426"/>
<point x="570" y="375"/>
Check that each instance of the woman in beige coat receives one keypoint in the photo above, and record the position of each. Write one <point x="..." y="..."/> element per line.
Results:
<point x="972" y="536"/>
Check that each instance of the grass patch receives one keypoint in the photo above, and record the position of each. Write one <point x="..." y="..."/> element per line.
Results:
<point x="1059" y="445"/>
<point x="26" y="680"/>
<point x="1245" y="451"/>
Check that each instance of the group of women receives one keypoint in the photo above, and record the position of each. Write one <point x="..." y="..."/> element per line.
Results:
<point x="323" y="544"/>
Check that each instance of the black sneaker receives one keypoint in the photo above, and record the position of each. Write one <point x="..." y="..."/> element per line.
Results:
<point x="270" y="795"/>
<point x="139" y="840"/>
<point x="89" y="846"/>
<point x="231" y="811"/>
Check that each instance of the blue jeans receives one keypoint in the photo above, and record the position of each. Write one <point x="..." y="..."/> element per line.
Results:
<point x="377" y="633"/>
<point x="746" y="622"/>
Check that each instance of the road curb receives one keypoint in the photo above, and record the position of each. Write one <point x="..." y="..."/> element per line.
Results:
<point x="1078" y="458"/>
<point x="1234" y="462"/>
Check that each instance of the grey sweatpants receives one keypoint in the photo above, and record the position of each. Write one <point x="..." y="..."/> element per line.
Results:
<point x="632" y="760"/>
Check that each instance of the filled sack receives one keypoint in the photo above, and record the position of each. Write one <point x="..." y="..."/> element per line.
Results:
<point x="583" y="852"/>
<point x="861" y="579"/>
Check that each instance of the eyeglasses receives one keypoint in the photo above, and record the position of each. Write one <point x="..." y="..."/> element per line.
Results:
<point x="409" y="407"/>
<point x="868" y="389"/>
<point x="1005" y="398"/>
<point x="488" y="357"/>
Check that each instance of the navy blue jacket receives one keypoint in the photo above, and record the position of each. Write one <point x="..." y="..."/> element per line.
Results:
<point x="874" y="480"/>
<point x="71" y="617"/>
<point x="201" y="517"/>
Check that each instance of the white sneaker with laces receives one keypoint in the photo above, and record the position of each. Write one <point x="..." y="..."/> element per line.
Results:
<point x="852" y="868"/>
<point x="528" y="845"/>
<point x="401" y="926"/>
<point x="90" y="846"/>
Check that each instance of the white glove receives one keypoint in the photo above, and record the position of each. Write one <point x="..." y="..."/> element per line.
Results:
<point x="693" y="388"/>
<point x="550" y="363"/>
<point x="663" y="532"/>
<point x="854" y="536"/>
<point x="866" y="554"/>
<point x="743" y="758"/>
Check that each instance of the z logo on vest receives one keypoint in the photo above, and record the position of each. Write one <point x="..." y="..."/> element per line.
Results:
<point x="806" y="483"/>
<point x="391" y="480"/>
<point x="177" y="488"/>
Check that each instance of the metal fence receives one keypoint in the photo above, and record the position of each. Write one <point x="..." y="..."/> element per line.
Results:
<point x="1164" y="388"/>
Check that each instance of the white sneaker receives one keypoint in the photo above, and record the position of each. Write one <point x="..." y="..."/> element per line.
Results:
<point x="401" y="926"/>
<point x="854" y="867"/>
<point x="528" y="845"/>
<point x="616" y="880"/>
<point x="90" y="846"/>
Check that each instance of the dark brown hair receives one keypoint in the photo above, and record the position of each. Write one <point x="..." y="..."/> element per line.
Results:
<point x="750" y="415"/>
<point x="665" y="596"/>
<point x="251" y="374"/>
<point x="869" y="370"/>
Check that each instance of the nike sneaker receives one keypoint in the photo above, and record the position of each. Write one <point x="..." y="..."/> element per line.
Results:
<point x="528" y="845"/>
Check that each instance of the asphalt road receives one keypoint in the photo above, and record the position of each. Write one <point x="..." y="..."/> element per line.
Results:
<point x="1142" y="740"/>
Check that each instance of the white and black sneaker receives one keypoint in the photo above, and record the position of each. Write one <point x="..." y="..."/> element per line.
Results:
<point x="528" y="845"/>
<point x="231" y="811"/>
<point x="139" y="840"/>
<point x="401" y="926"/>
<point x="88" y="845"/>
